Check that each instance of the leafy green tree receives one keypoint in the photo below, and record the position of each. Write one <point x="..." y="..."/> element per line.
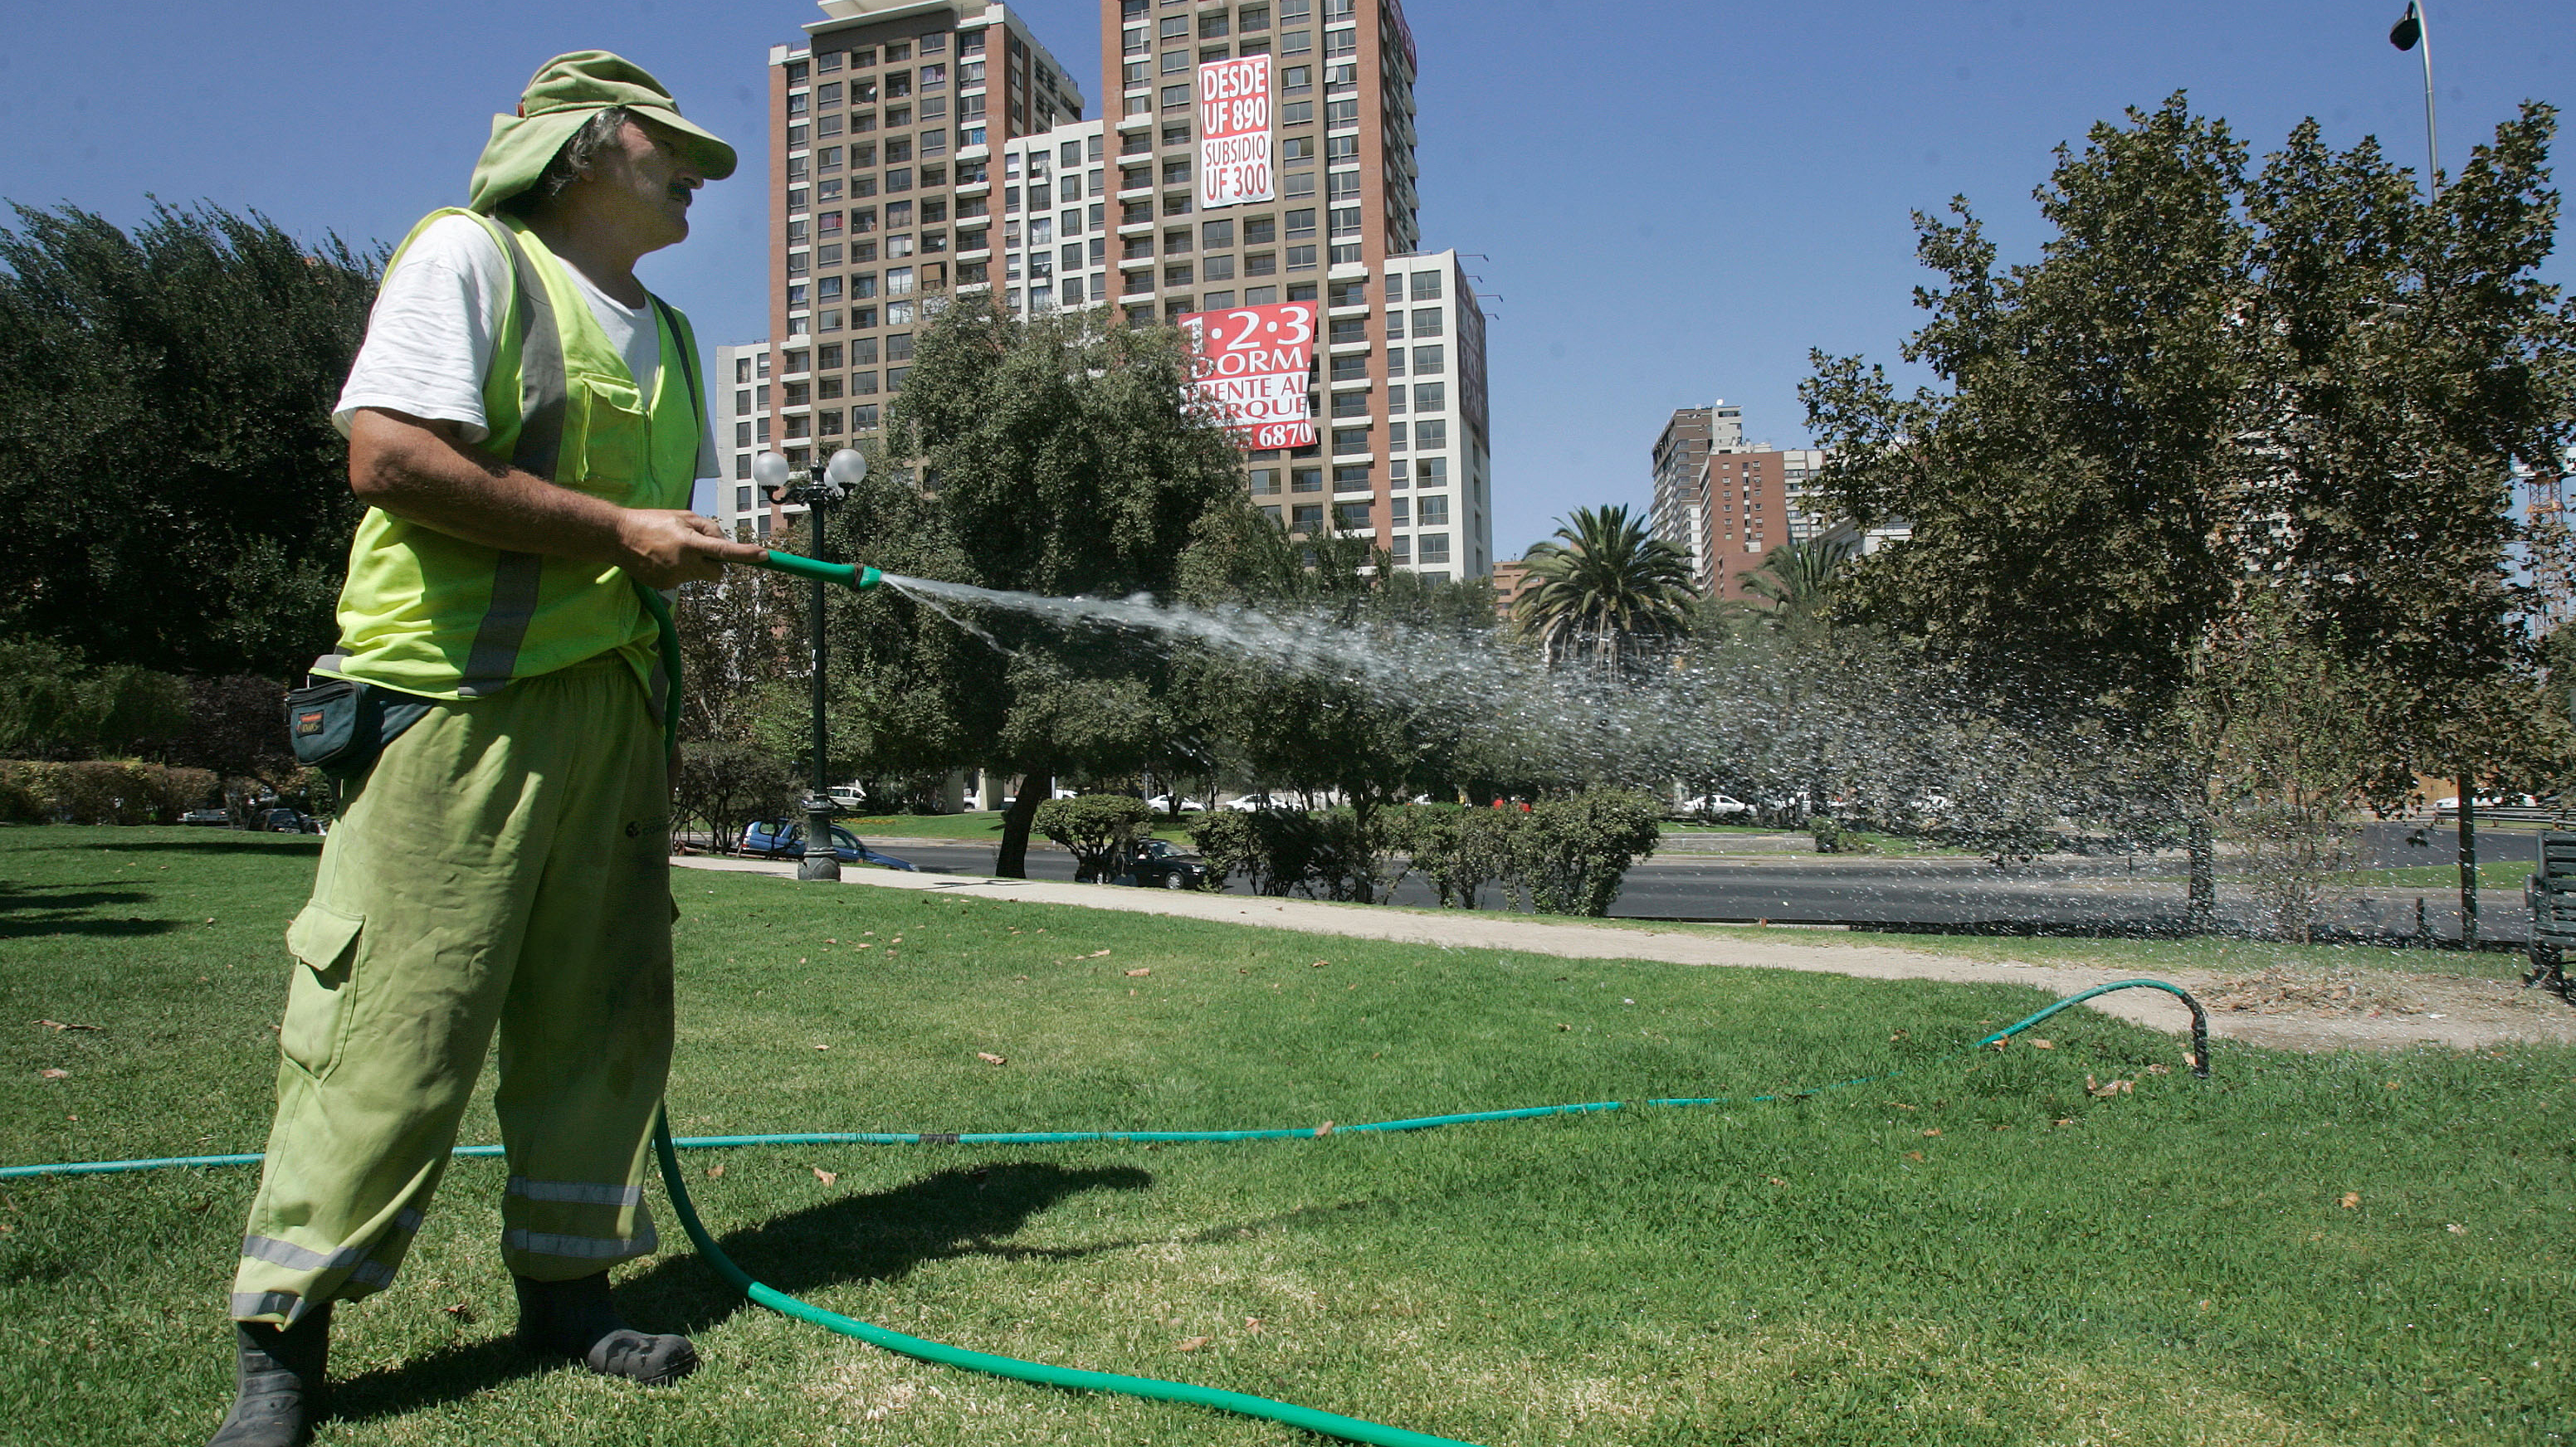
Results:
<point x="1797" y="580"/>
<point x="1306" y="722"/>
<point x="1062" y="459"/>
<point x="54" y="705"/>
<point x="178" y="497"/>
<point x="1608" y="594"/>
<point x="2307" y="387"/>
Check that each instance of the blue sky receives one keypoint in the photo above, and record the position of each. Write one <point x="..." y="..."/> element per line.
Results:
<point x="1674" y="199"/>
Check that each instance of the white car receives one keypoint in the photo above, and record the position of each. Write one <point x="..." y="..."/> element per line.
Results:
<point x="1712" y="806"/>
<point x="1162" y="804"/>
<point x="1252" y="804"/>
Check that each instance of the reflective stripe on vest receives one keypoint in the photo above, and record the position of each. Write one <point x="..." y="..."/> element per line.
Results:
<point x="543" y="396"/>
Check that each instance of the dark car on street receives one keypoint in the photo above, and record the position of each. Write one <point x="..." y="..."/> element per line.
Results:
<point x="1161" y="864"/>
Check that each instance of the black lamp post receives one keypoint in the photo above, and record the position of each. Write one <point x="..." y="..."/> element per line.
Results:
<point x="823" y="486"/>
<point x="2413" y="31"/>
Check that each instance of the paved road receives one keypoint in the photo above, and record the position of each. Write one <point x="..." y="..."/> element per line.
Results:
<point x="1786" y="886"/>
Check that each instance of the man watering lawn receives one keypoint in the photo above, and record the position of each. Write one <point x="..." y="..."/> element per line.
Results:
<point x="526" y="424"/>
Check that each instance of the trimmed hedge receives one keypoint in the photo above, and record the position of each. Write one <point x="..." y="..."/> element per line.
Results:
<point x="101" y="792"/>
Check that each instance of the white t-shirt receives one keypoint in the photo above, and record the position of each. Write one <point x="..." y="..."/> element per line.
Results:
<point x="429" y="340"/>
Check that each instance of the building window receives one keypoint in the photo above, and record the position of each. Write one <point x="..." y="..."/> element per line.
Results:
<point x="1351" y="368"/>
<point x="1176" y="97"/>
<point x="1348" y="329"/>
<point x="1426" y="321"/>
<point x="899" y="348"/>
<point x="1435" y="511"/>
<point x="1351" y="404"/>
<point x="1301" y="258"/>
<point x="1177" y="274"/>
<point x="1350" y="514"/>
<point x="1265" y="480"/>
<point x="1351" y="477"/>
<point x="863" y="384"/>
<point x="1429" y="397"/>
<point x="1429" y="361"/>
<point x="1426" y="286"/>
<point x="1431" y="471"/>
<point x="1395" y="437"/>
<point x="1305" y="479"/>
<point x="1433" y="548"/>
<point x="1219" y="268"/>
<point x="1176" y="203"/>
<point x="1350" y="440"/>
<point x="1296" y="148"/>
<point x="1301" y="223"/>
<point x="1429" y="434"/>
<point x="1296" y="79"/>
<point x="1306" y="518"/>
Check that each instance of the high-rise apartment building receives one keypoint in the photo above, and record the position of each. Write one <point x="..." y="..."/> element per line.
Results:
<point x="926" y="149"/>
<point x="883" y="127"/>
<point x="1403" y="436"/>
<point x="1053" y="250"/>
<point x="741" y="398"/>
<point x="1680" y="509"/>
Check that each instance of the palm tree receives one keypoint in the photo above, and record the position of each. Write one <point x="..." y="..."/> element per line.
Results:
<point x="1607" y="593"/>
<point x="1797" y="579"/>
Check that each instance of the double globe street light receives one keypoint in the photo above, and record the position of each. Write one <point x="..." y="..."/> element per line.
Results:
<point x="821" y="487"/>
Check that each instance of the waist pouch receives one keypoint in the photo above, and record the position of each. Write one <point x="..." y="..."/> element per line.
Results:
<point x="339" y="725"/>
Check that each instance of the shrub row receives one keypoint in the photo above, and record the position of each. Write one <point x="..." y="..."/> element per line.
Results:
<point x="101" y="792"/>
<point x="1564" y="856"/>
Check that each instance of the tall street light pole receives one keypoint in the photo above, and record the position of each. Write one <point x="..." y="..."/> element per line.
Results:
<point x="823" y="486"/>
<point x="2412" y="31"/>
<point x="2409" y="33"/>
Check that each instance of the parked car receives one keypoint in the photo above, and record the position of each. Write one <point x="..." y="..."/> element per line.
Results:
<point x="1252" y="804"/>
<point x="785" y="839"/>
<point x="1161" y="864"/>
<point x="288" y="821"/>
<point x="1712" y="806"/>
<point x="208" y="818"/>
<point x="847" y="796"/>
<point x="1162" y="804"/>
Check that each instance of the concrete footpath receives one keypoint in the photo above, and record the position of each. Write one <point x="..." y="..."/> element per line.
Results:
<point x="2313" y="1011"/>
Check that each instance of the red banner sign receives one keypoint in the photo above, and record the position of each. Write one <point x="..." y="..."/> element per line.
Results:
<point x="1251" y="364"/>
<point x="1234" y="131"/>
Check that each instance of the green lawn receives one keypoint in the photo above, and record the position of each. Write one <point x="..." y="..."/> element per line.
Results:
<point x="1977" y="1253"/>
<point x="2505" y="877"/>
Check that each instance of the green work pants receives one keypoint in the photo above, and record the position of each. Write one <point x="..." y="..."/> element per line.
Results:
<point x="505" y="864"/>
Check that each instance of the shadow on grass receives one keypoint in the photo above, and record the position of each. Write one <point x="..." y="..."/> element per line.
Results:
<point x="28" y="911"/>
<point x="883" y="1236"/>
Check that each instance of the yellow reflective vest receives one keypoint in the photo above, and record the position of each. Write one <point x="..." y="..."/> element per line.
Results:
<point x="432" y="614"/>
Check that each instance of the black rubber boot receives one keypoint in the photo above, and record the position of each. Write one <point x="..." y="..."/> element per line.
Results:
<point x="574" y="1319"/>
<point x="277" y="1382"/>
